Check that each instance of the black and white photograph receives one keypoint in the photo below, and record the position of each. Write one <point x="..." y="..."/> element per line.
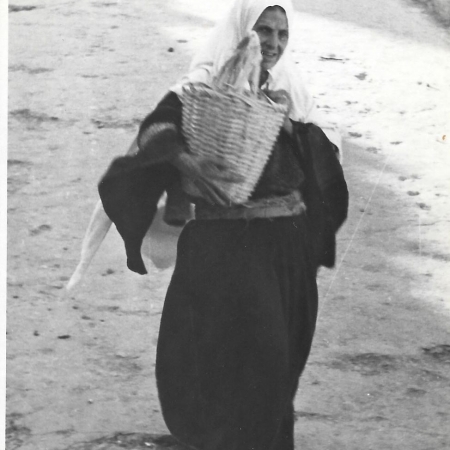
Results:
<point x="227" y="224"/>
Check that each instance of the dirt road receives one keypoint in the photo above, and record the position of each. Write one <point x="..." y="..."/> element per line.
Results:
<point x="80" y="368"/>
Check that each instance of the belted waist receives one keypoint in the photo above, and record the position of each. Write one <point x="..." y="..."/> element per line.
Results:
<point x="271" y="207"/>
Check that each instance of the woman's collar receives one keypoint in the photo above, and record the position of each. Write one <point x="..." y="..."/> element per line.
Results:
<point x="269" y="80"/>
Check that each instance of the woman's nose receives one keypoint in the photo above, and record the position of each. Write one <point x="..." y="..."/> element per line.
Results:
<point x="272" y="40"/>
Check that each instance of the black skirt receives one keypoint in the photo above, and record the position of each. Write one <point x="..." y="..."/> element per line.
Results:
<point x="236" y="331"/>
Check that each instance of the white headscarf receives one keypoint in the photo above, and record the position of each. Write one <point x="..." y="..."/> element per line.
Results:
<point x="225" y="37"/>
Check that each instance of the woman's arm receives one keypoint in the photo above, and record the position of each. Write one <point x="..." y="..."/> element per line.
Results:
<point x="160" y="140"/>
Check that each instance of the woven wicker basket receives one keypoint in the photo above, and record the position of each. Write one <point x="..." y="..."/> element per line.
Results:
<point x="238" y="125"/>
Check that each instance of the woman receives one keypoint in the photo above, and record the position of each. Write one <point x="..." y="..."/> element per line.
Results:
<point x="241" y="308"/>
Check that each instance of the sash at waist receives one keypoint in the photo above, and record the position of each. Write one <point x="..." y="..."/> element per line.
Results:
<point x="265" y="208"/>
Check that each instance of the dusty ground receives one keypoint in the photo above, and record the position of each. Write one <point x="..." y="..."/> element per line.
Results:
<point x="80" y="368"/>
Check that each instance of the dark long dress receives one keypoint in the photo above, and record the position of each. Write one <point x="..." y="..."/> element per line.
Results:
<point x="240" y="312"/>
<point x="236" y="331"/>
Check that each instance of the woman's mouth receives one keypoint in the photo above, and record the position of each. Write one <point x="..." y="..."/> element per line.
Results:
<point x="269" y="55"/>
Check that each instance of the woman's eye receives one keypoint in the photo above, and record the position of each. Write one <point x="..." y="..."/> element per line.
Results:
<point x="264" y="30"/>
<point x="284" y="35"/>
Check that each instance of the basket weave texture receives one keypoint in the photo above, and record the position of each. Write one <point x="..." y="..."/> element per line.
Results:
<point x="239" y="127"/>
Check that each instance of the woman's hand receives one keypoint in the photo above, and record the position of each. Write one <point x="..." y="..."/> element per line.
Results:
<point x="207" y="173"/>
<point x="282" y="98"/>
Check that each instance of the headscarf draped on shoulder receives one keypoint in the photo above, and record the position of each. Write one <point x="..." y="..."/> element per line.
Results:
<point x="223" y="41"/>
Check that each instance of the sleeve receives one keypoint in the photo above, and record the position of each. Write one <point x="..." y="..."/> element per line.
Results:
<point x="133" y="184"/>
<point x="325" y="191"/>
<point x="329" y="175"/>
<point x="160" y="138"/>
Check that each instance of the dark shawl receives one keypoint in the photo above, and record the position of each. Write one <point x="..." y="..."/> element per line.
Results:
<point x="325" y="192"/>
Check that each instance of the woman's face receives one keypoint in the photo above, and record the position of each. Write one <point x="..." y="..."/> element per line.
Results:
<point x="273" y="31"/>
